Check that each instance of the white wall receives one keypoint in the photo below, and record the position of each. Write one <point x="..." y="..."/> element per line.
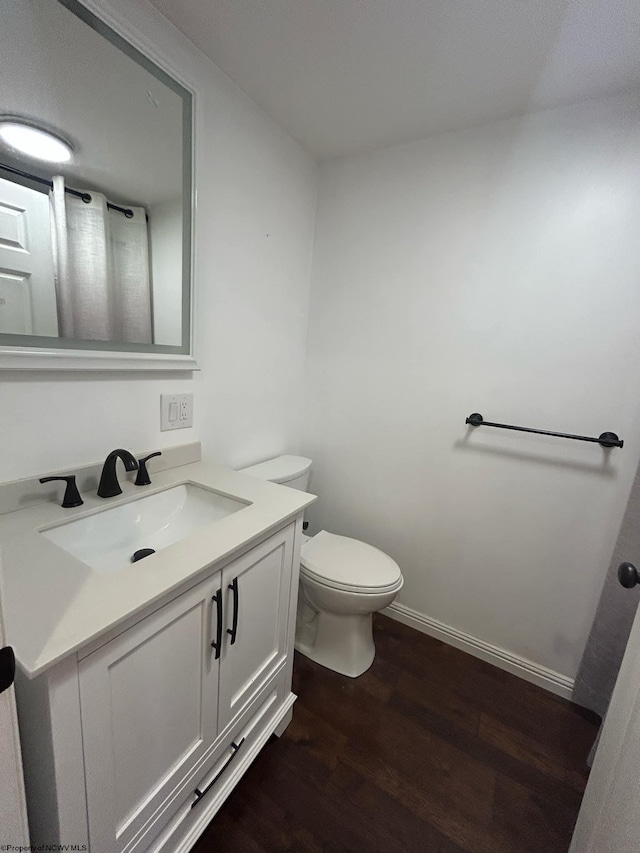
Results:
<point x="165" y="250"/>
<point x="254" y="229"/>
<point x="492" y="270"/>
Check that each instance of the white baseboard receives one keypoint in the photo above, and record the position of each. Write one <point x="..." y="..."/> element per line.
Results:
<point x="553" y="681"/>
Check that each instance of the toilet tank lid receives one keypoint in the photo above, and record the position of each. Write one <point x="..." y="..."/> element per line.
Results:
<point x="279" y="470"/>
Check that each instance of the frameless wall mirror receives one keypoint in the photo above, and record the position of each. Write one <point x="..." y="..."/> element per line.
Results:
<point x="95" y="195"/>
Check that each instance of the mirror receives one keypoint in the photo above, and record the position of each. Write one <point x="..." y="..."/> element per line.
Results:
<point x="95" y="252"/>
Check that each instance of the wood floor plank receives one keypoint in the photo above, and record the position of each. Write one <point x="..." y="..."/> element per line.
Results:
<point x="533" y="751"/>
<point x="431" y="751"/>
<point x="524" y="772"/>
<point x="528" y="823"/>
<point x="311" y="730"/>
<point x="443" y="698"/>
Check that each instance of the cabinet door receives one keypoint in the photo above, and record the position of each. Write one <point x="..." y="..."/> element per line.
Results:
<point x="256" y="589"/>
<point x="149" y="713"/>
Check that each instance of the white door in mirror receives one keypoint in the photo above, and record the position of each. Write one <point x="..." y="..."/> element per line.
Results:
<point x="27" y="290"/>
<point x="176" y="411"/>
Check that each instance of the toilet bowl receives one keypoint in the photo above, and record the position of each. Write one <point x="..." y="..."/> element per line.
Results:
<point x="343" y="582"/>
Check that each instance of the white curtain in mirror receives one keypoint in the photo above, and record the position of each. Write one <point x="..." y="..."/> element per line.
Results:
<point x="101" y="262"/>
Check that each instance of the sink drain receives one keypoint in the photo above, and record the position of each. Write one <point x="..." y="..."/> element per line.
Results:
<point x="143" y="552"/>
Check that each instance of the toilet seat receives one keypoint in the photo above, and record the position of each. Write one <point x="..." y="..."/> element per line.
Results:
<point x="340" y="562"/>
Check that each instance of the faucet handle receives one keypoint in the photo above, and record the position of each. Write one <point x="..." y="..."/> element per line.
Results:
<point x="71" y="493"/>
<point x="143" y="478"/>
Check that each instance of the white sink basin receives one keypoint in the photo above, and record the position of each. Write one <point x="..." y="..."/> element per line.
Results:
<point x="107" y="540"/>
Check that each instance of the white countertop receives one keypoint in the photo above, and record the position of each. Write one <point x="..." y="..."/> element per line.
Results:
<point x="54" y="604"/>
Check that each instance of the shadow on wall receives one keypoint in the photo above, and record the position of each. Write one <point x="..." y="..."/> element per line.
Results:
<point x="602" y="469"/>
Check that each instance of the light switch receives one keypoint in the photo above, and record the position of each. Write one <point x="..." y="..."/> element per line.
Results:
<point x="176" y="411"/>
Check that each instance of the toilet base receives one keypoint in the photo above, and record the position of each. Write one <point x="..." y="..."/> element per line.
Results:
<point x="341" y="642"/>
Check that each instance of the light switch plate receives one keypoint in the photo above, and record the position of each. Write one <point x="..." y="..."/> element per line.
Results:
<point x="176" y="411"/>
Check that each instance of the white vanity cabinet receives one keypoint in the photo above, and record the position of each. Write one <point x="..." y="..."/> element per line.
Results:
<point x="153" y="727"/>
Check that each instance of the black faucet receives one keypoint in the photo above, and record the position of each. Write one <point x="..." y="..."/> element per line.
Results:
<point x="109" y="486"/>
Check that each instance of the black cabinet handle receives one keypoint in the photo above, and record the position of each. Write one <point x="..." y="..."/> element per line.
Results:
<point x="233" y="630"/>
<point x="217" y="643"/>
<point x="200" y="794"/>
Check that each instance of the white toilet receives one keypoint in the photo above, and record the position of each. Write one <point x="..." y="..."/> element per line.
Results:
<point x="343" y="582"/>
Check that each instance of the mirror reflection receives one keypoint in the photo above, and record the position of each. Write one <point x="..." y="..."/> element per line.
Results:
<point x="94" y="187"/>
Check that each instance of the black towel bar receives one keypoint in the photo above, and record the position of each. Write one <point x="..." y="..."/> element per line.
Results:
<point x="606" y="439"/>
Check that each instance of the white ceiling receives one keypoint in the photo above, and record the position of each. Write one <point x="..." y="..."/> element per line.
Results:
<point x="343" y="76"/>
<point x="124" y="123"/>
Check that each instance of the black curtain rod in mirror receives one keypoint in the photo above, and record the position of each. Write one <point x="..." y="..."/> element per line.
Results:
<point x="606" y="439"/>
<point x="86" y="197"/>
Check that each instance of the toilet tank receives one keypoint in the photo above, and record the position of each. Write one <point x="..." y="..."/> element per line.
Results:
<point x="292" y="471"/>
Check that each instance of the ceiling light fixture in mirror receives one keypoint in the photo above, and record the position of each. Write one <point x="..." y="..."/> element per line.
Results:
<point x="22" y="137"/>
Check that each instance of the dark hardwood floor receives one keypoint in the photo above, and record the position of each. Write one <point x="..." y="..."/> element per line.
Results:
<point x="431" y="750"/>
